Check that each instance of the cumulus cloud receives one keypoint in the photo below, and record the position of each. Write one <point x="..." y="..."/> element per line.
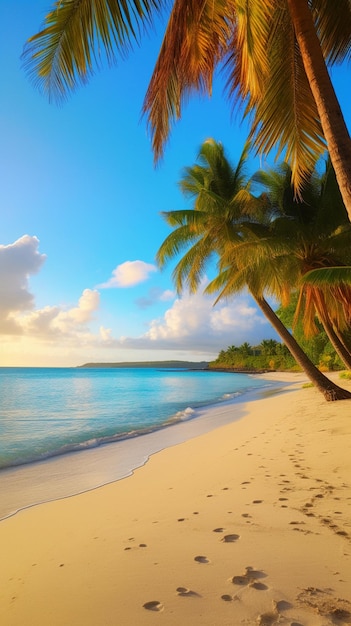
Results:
<point x="54" y="321"/>
<point x="105" y="334"/>
<point x="18" y="261"/>
<point x="192" y="324"/>
<point x="192" y="320"/>
<point x="128" y="274"/>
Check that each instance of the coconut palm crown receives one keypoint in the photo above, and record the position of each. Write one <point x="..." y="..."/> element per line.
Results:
<point x="226" y="224"/>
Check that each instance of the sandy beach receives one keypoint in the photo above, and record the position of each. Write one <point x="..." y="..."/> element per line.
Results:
<point x="247" y="524"/>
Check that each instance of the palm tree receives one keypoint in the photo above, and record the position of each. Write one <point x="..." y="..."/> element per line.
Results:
<point x="268" y="347"/>
<point x="245" y="349"/>
<point x="311" y="236"/>
<point x="221" y="225"/>
<point x="275" y="54"/>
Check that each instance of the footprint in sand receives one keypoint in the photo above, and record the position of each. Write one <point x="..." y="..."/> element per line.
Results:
<point x="240" y="580"/>
<point x="230" y="538"/>
<point x="153" y="605"/>
<point x="267" y="619"/>
<point x="201" y="559"/>
<point x="258" y="586"/>
<point x="274" y="617"/>
<point x="185" y="592"/>
<point x="218" y="530"/>
<point x="249" y="578"/>
<point x="226" y="597"/>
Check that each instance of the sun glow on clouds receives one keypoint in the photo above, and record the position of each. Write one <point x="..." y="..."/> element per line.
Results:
<point x="54" y="321"/>
<point x="18" y="261"/>
<point x="194" y="318"/>
<point x="190" y="325"/>
<point x="128" y="274"/>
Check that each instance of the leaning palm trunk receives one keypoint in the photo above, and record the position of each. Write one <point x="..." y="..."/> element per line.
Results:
<point x="338" y="346"/>
<point x="344" y="340"/>
<point x="333" y="124"/>
<point x="330" y="390"/>
<point x="331" y="328"/>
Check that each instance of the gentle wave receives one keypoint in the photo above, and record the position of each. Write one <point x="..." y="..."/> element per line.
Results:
<point x="181" y="416"/>
<point x="48" y="413"/>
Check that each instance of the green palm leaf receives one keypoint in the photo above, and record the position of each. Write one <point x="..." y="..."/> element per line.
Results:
<point x="325" y="276"/>
<point x="68" y="48"/>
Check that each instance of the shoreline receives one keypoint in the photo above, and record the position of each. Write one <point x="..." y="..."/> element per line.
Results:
<point x="249" y="523"/>
<point x="75" y="472"/>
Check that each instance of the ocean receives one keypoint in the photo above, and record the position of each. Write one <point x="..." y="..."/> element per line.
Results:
<point x="66" y="430"/>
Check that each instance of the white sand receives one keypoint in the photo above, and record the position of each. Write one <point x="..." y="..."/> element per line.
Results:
<point x="247" y="524"/>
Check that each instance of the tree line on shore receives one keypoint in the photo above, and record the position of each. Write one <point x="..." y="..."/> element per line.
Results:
<point x="274" y="355"/>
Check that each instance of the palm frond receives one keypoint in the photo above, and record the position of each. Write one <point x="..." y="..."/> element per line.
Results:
<point x="68" y="48"/>
<point x="286" y="117"/>
<point x="228" y="282"/>
<point x="246" y="62"/>
<point x="333" y="28"/>
<point x="194" y="42"/>
<point x="327" y="276"/>
<point x="192" y="266"/>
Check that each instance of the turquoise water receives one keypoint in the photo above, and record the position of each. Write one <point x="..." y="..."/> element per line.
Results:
<point x="45" y="412"/>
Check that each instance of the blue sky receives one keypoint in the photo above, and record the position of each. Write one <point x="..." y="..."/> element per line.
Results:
<point x="80" y="203"/>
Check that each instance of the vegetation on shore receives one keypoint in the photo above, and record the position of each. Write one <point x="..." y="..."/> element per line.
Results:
<point x="274" y="356"/>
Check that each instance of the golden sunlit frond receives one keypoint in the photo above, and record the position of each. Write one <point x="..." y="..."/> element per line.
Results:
<point x="68" y="48"/>
<point x="247" y="62"/>
<point x="195" y="41"/>
<point x="286" y="118"/>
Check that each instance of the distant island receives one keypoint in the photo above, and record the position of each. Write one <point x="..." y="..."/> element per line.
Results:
<point x="202" y="365"/>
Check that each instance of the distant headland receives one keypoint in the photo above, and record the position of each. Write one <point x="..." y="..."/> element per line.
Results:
<point x="194" y="365"/>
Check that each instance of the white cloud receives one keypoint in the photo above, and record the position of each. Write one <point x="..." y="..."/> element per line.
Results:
<point x="128" y="274"/>
<point x="192" y="320"/>
<point x="106" y="334"/>
<point x="193" y="325"/>
<point x="88" y="303"/>
<point x="167" y="295"/>
<point x="18" y="261"/>
<point x="56" y="321"/>
<point x="190" y="326"/>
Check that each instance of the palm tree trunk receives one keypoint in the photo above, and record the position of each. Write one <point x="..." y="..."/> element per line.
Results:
<point x="338" y="346"/>
<point x="330" y="390"/>
<point x="331" y="117"/>
<point x="344" y="340"/>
